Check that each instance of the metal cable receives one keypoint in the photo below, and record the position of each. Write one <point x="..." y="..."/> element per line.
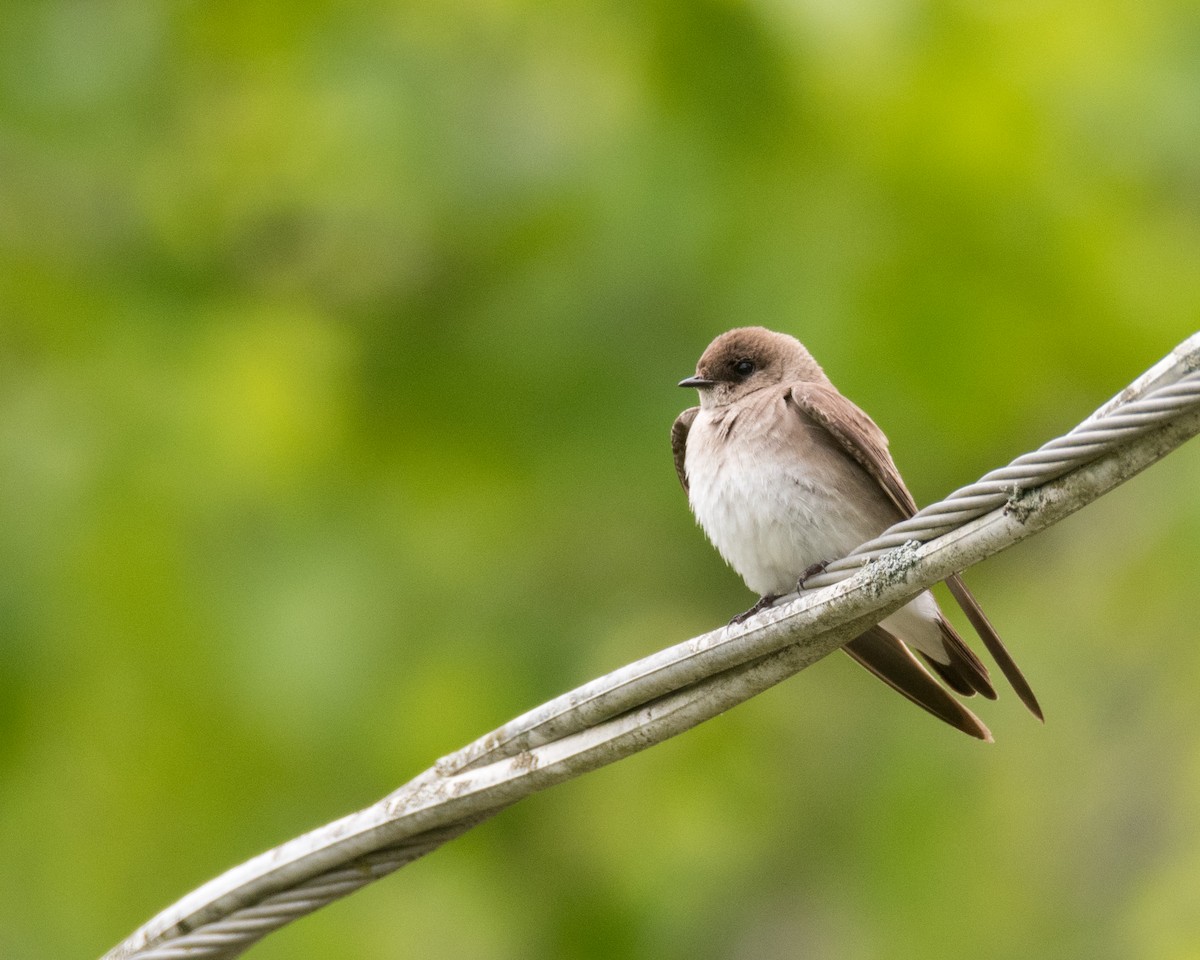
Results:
<point x="1115" y="424"/>
<point x="233" y="934"/>
<point x="1090" y="440"/>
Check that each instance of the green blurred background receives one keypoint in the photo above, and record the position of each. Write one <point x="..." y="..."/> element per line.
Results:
<point x="338" y="351"/>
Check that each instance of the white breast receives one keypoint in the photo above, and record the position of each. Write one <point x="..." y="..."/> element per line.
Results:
<point x="771" y="498"/>
<point x="776" y="494"/>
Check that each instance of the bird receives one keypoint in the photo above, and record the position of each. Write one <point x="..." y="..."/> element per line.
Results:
<point x="785" y="474"/>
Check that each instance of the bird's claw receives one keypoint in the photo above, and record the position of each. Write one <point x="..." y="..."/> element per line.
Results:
<point x="812" y="571"/>
<point x="763" y="603"/>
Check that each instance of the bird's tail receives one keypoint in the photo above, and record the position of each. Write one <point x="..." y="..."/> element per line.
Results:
<point x="891" y="661"/>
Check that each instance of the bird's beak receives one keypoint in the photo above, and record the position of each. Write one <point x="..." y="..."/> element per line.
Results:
<point x="696" y="382"/>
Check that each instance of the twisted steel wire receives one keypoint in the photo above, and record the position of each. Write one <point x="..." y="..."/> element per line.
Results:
<point x="1117" y="422"/>
<point x="233" y="934"/>
<point x="614" y="696"/>
<point x="236" y="932"/>
<point x="1086" y="442"/>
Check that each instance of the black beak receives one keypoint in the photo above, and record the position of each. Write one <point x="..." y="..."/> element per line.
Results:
<point x="696" y="382"/>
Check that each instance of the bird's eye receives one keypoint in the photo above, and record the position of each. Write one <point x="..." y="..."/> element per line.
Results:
<point x="743" y="368"/>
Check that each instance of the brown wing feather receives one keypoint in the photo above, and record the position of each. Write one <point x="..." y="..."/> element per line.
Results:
<point x="892" y="662"/>
<point x="866" y="443"/>
<point x="964" y="668"/>
<point x="995" y="646"/>
<point x="858" y="436"/>
<point x="679" y="434"/>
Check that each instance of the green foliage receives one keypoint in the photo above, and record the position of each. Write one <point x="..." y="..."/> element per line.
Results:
<point x="338" y="346"/>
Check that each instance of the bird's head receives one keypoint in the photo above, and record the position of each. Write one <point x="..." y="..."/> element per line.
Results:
<point x="748" y="359"/>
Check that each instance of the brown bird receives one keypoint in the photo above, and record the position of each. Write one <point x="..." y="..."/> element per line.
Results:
<point x="785" y="474"/>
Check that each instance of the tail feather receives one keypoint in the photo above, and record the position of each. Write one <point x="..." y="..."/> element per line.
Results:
<point x="991" y="640"/>
<point x="891" y="661"/>
<point x="950" y="676"/>
<point x="965" y="672"/>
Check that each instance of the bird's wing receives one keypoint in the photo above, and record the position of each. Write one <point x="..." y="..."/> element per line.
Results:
<point x="892" y="662"/>
<point x="995" y="646"/>
<point x="858" y="436"/>
<point x="862" y="440"/>
<point x="679" y="433"/>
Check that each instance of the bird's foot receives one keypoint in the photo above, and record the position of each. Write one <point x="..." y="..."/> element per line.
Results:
<point x="763" y="603"/>
<point x="812" y="571"/>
